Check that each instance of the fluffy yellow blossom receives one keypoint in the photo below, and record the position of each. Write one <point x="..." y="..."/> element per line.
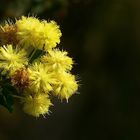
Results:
<point x="41" y="78"/>
<point x="67" y="86"/>
<point x="36" y="105"/>
<point x="51" y="34"/>
<point x="12" y="59"/>
<point x="58" y="60"/>
<point x="39" y="34"/>
<point x="29" y="31"/>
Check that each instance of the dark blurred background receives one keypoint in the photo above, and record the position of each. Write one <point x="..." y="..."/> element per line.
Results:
<point x="103" y="37"/>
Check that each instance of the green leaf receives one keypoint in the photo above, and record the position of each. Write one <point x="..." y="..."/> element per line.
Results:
<point x="36" y="55"/>
<point x="6" y="92"/>
<point x="7" y="101"/>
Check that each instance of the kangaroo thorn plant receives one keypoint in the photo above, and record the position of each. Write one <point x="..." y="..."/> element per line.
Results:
<point x="31" y="67"/>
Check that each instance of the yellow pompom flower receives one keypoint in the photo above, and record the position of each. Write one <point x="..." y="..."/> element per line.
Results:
<point x="29" y="31"/>
<point x="58" y="60"/>
<point x="39" y="34"/>
<point x="51" y="35"/>
<point x="36" y="105"/>
<point x="67" y="86"/>
<point x="12" y="59"/>
<point x="41" y="78"/>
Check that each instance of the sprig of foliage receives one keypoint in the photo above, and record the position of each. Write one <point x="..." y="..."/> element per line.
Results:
<point x="32" y="69"/>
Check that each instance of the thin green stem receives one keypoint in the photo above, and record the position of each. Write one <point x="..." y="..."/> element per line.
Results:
<point x="30" y="58"/>
<point x="19" y="97"/>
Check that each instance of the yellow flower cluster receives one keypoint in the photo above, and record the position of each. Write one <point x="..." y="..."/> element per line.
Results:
<point x="36" y="76"/>
<point x="39" y="34"/>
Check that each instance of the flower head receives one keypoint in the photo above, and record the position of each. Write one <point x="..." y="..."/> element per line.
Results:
<point x="41" y="78"/>
<point x="41" y="35"/>
<point x="8" y="34"/>
<point x="58" y="60"/>
<point x="20" y="79"/>
<point x="36" y="105"/>
<point x="66" y="86"/>
<point x="12" y="59"/>
<point x="51" y="35"/>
